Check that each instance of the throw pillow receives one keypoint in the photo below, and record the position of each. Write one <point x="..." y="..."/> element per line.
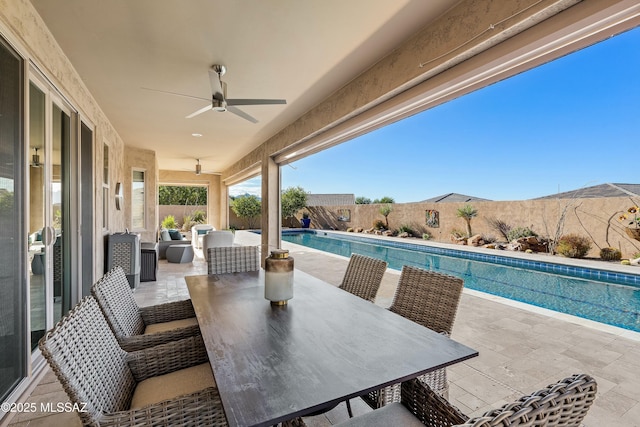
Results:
<point x="175" y="235"/>
<point x="164" y="235"/>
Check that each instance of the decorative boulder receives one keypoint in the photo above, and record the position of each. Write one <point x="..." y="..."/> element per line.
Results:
<point x="475" y="240"/>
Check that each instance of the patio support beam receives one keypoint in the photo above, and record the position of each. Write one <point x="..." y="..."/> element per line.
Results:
<point x="271" y="222"/>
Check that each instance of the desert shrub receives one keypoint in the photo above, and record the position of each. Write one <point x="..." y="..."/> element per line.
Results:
<point x="199" y="217"/>
<point x="405" y="229"/>
<point x="169" y="222"/>
<point x="489" y="239"/>
<point x="457" y="233"/>
<point x="187" y="223"/>
<point x="573" y="246"/>
<point x="378" y="224"/>
<point x="610" y="254"/>
<point x="500" y="226"/>
<point x="516" y="233"/>
<point x="426" y="235"/>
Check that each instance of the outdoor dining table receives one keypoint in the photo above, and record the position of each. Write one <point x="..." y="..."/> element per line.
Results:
<point x="275" y="363"/>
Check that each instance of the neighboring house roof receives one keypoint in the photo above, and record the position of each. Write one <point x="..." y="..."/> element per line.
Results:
<point x="330" y="199"/>
<point x="454" y="197"/>
<point x="602" y="190"/>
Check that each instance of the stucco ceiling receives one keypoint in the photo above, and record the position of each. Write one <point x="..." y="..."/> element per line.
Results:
<point x="301" y="51"/>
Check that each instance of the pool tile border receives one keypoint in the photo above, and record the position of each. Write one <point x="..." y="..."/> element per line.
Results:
<point x="587" y="273"/>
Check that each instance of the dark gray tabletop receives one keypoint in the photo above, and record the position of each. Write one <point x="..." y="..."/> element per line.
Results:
<point x="272" y="364"/>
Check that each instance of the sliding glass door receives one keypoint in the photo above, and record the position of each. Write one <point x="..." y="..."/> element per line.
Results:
<point x="13" y="306"/>
<point x="49" y="205"/>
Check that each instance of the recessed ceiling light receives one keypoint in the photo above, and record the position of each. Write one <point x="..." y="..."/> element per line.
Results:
<point x="197" y="135"/>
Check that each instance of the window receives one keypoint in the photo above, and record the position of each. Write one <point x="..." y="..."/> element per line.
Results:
<point x="137" y="200"/>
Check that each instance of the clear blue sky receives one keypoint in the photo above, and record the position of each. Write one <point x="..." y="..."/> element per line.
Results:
<point x="568" y="124"/>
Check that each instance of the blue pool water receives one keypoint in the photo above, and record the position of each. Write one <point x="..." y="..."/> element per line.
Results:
<point x="606" y="297"/>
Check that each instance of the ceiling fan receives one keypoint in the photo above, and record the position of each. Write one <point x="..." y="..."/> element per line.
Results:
<point x="198" y="169"/>
<point x="219" y="100"/>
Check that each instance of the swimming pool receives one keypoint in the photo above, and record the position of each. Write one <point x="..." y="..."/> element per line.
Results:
<point x="607" y="297"/>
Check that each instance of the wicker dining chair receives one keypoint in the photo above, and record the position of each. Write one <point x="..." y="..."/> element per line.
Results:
<point x="232" y="259"/>
<point x="561" y="404"/>
<point x="136" y="327"/>
<point x="168" y="385"/>
<point x="363" y="276"/>
<point x="430" y="299"/>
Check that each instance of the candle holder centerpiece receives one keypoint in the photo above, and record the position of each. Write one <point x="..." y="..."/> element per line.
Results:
<point x="278" y="277"/>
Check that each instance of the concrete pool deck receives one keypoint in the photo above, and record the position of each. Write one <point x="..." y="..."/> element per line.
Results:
<point x="522" y="348"/>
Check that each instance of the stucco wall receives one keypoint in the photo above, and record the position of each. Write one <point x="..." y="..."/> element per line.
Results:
<point x="21" y="25"/>
<point x="594" y="218"/>
<point x="145" y="160"/>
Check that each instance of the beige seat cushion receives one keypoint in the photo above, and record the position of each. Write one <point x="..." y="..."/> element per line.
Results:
<point x="169" y="326"/>
<point x="174" y="384"/>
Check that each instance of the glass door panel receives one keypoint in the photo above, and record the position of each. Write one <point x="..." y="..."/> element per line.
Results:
<point x="13" y="316"/>
<point x="59" y="191"/>
<point x="37" y="231"/>
<point x="49" y="188"/>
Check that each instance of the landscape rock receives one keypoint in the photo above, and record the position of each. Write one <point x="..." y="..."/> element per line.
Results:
<point x="404" y="235"/>
<point x="459" y="240"/>
<point x="475" y="240"/>
<point x="534" y="244"/>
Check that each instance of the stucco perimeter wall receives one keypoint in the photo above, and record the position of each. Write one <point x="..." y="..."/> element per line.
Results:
<point x="594" y="218"/>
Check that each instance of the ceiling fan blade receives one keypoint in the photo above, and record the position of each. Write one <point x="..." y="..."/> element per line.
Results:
<point x="200" y="111"/>
<point x="255" y="101"/>
<point x="240" y="113"/>
<point x="216" y="85"/>
<point x="176" y="94"/>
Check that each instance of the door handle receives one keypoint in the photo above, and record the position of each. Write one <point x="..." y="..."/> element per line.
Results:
<point x="49" y="236"/>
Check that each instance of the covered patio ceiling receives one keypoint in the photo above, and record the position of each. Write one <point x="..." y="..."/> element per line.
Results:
<point x="301" y="51"/>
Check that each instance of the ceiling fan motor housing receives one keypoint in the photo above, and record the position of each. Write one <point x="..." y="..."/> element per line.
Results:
<point x="219" y="105"/>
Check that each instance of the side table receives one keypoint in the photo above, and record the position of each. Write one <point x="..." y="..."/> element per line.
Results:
<point x="148" y="261"/>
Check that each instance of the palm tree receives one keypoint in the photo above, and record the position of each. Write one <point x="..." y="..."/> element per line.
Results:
<point x="385" y="210"/>
<point x="467" y="212"/>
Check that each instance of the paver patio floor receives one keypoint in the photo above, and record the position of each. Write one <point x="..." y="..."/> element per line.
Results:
<point x="522" y="348"/>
